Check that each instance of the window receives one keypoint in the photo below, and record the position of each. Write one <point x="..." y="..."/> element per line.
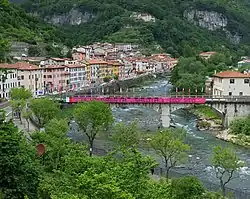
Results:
<point x="246" y="81"/>
<point x="231" y="81"/>
<point x="241" y="93"/>
<point x="230" y="93"/>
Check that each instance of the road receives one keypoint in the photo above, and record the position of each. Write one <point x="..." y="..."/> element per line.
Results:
<point x="21" y="126"/>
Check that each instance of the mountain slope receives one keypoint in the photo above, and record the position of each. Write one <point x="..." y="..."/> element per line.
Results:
<point x="181" y="27"/>
<point x="17" y="26"/>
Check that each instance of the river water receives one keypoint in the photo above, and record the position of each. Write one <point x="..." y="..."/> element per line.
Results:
<point x="201" y="142"/>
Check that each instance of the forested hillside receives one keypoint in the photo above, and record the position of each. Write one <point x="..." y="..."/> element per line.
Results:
<point x="16" y="25"/>
<point x="216" y="25"/>
<point x="109" y="20"/>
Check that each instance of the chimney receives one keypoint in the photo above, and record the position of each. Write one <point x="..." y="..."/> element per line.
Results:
<point x="215" y="72"/>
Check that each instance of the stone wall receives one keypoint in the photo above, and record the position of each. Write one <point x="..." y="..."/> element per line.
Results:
<point x="115" y="86"/>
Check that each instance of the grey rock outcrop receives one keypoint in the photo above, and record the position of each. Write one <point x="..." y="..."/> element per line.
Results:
<point x="73" y="17"/>
<point x="212" y="21"/>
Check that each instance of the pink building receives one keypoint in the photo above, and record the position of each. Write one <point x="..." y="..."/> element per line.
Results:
<point x="56" y="78"/>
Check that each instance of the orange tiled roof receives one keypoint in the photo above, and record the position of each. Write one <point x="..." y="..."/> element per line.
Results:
<point x="20" y="66"/>
<point x="230" y="74"/>
<point x="96" y="61"/>
<point x="7" y="66"/>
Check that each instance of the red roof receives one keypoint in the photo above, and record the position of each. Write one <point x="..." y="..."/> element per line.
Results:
<point x="96" y="61"/>
<point x="20" y="66"/>
<point x="231" y="74"/>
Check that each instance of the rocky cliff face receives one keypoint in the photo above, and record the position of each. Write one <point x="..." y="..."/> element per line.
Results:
<point x="212" y="21"/>
<point x="73" y="17"/>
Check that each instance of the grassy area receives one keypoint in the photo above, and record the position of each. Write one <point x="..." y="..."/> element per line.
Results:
<point x="206" y="112"/>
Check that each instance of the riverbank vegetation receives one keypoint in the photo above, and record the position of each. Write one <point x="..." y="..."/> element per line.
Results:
<point x="208" y="119"/>
<point x="240" y="131"/>
<point x="191" y="73"/>
<point x="66" y="170"/>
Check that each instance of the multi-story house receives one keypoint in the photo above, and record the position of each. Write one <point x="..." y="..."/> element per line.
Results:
<point x="8" y="79"/>
<point x="30" y="76"/>
<point x="129" y="68"/>
<point x="231" y="83"/>
<point x="142" y="65"/>
<point x="23" y="75"/>
<point x="95" y="69"/>
<point x="56" y="78"/>
<point x="53" y="61"/>
<point x="77" y="76"/>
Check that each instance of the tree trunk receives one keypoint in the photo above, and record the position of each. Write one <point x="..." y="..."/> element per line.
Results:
<point x="20" y="117"/>
<point x="167" y="173"/>
<point x="91" y="143"/>
<point x="223" y="189"/>
<point x="28" y="124"/>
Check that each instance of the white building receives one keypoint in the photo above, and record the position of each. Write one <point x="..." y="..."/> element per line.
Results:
<point x="8" y="81"/>
<point x="231" y="83"/>
<point x="77" y="76"/>
<point x="53" y="61"/>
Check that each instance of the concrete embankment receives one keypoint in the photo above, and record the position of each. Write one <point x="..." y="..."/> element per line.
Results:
<point x="111" y="88"/>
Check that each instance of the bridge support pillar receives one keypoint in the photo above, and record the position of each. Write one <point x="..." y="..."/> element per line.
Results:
<point x="165" y="115"/>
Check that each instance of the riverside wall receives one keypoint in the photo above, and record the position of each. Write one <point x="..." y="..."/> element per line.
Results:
<point x="111" y="88"/>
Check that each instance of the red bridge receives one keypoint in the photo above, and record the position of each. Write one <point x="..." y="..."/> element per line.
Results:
<point x="139" y="100"/>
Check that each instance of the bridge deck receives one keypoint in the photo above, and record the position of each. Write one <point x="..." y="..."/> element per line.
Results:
<point x="139" y="100"/>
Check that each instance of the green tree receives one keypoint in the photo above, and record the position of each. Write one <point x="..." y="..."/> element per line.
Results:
<point x="169" y="145"/>
<point x="44" y="109"/>
<point x="69" y="54"/>
<point x="56" y="142"/>
<point x="19" y="98"/>
<point x="4" y="49"/>
<point x="116" y="77"/>
<point x="34" y="51"/>
<point x="18" y="166"/>
<point x="93" y="118"/>
<point x="240" y="126"/>
<point x="106" y="79"/>
<point x="127" y="136"/>
<point x="20" y="93"/>
<point x="26" y="113"/>
<point x="226" y="163"/>
<point x="187" y="188"/>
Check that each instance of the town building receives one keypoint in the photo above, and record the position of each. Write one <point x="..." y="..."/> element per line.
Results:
<point x="56" y="78"/>
<point x="53" y="61"/>
<point x="207" y="55"/>
<point x="8" y="79"/>
<point x="28" y="76"/>
<point x="245" y="62"/>
<point x="231" y="83"/>
<point x="77" y="76"/>
<point x="95" y="70"/>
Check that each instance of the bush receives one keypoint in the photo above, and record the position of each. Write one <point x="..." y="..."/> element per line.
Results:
<point x="240" y="126"/>
<point x="187" y="188"/>
<point x="106" y="79"/>
<point x="204" y="124"/>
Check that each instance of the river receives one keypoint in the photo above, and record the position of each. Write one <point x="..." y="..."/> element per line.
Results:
<point x="201" y="142"/>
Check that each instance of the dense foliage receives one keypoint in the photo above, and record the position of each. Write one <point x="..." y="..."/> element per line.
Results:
<point x="112" y="22"/>
<point x="18" y="26"/>
<point x="66" y="171"/>
<point x="240" y="126"/>
<point x="191" y="73"/>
